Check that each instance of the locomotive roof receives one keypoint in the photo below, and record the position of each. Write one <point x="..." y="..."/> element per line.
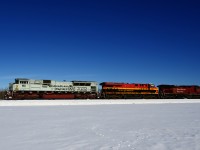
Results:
<point x="119" y="83"/>
<point x="170" y="86"/>
<point x="54" y="80"/>
<point x="81" y="81"/>
<point x="21" y="79"/>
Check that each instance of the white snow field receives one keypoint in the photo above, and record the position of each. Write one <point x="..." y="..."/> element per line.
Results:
<point x="100" y="125"/>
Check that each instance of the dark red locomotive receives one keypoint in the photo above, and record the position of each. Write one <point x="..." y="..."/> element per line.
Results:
<point x="174" y="91"/>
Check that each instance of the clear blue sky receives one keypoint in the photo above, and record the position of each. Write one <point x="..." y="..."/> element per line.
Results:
<point x="106" y="40"/>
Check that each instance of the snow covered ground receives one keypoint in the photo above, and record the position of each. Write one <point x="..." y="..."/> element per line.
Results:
<point x="91" y="102"/>
<point x="100" y="125"/>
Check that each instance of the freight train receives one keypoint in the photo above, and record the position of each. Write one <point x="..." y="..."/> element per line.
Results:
<point x="24" y="88"/>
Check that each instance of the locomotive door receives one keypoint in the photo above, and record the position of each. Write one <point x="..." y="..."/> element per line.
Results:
<point x="149" y="86"/>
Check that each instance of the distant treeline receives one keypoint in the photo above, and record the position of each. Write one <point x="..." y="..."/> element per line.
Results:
<point x="2" y="93"/>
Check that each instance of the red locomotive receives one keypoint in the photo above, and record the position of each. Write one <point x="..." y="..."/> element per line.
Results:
<point x="174" y="91"/>
<point x="112" y="90"/>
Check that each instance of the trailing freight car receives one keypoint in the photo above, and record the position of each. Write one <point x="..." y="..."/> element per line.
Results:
<point x="50" y="89"/>
<point x="175" y="91"/>
<point x="115" y="90"/>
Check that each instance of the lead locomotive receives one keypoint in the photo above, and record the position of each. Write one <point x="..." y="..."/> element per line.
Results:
<point x="50" y="89"/>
